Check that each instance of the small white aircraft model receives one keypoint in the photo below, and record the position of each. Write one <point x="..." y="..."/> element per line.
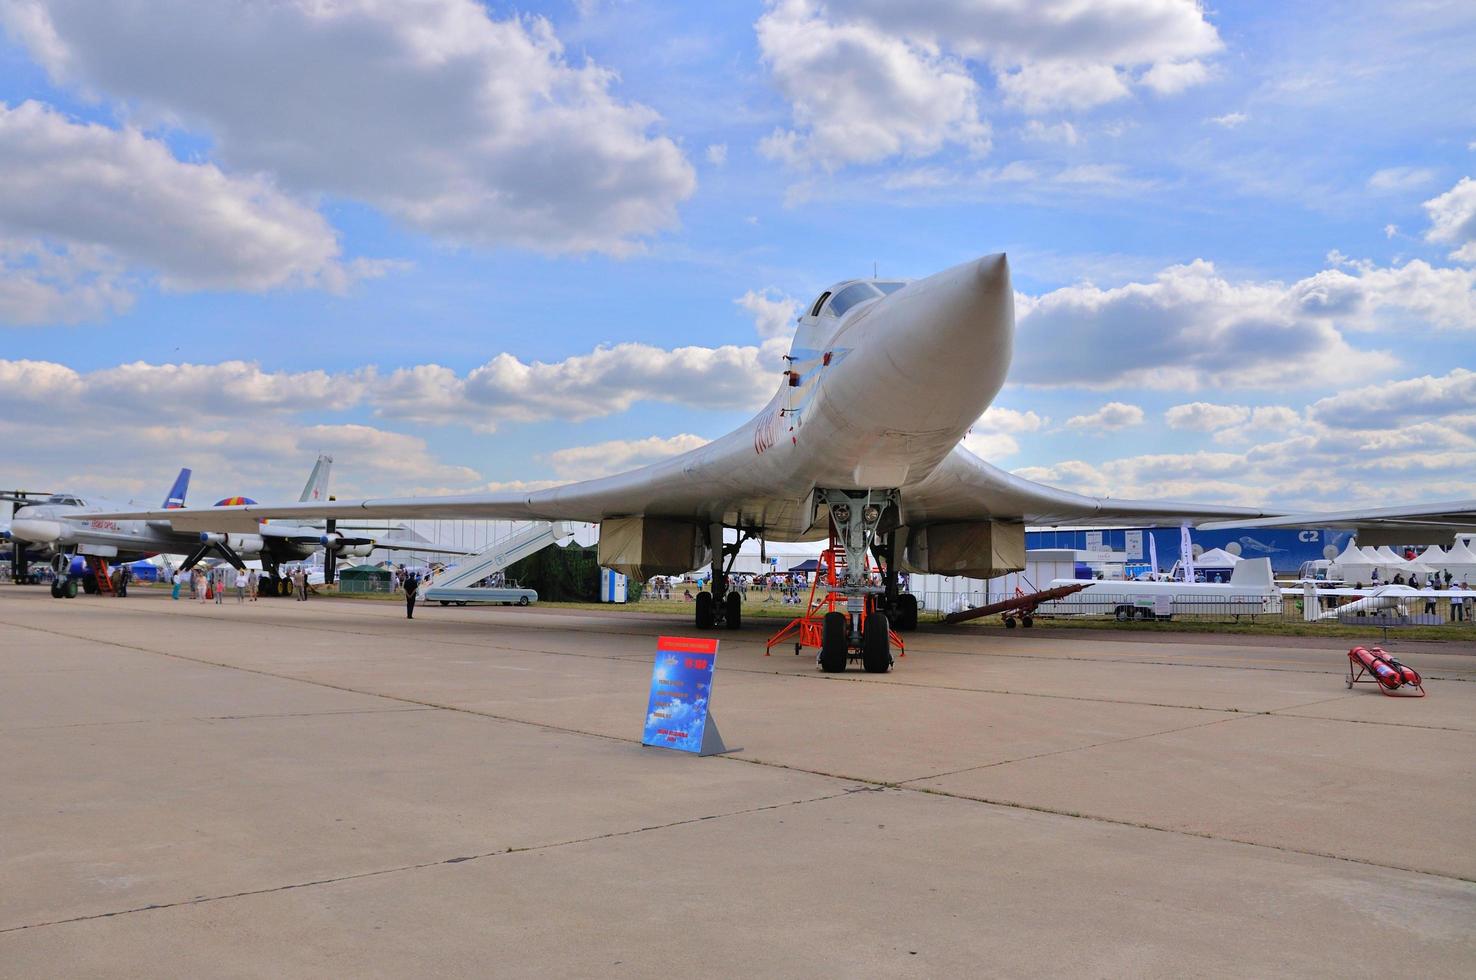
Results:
<point x="860" y="442"/>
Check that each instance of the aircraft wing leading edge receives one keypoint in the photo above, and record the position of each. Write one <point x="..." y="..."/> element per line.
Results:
<point x="706" y="484"/>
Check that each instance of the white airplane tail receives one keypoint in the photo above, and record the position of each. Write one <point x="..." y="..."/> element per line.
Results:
<point x="317" y="484"/>
<point x="1253" y="573"/>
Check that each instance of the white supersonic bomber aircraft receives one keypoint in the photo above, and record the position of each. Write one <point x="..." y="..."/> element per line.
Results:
<point x="860" y="441"/>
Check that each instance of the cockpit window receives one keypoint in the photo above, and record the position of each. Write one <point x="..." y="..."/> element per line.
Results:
<point x="815" y="309"/>
<point x="63" y="500"/>
<point x="858" y="292"/>
<point x="889" y="287"/>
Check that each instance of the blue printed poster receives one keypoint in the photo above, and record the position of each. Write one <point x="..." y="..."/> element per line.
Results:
<point x="681" y="685"/>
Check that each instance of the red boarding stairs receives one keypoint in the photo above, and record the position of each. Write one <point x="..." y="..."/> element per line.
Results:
<point x="806" y="631"/>
<point x="99" y="569"/>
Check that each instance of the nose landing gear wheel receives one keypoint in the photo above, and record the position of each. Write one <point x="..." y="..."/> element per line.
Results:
<point x="733" y="611"/>
<point x="876" y="652"/>
<point x="705" y="612"/>
<point x="834" y="643"/>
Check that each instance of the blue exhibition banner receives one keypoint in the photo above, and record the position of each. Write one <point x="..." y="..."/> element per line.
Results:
<point x="681" y="686"/>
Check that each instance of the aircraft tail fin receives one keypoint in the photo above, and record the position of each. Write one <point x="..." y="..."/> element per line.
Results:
<point x="176" y="496"/>
<point x="317" y="484"/>
<point x="1253" y="572"/>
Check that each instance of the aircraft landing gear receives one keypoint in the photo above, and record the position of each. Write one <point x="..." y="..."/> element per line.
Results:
<point x="876" y="644"/>
<point x="733" y="618"/>
<point x="848" y="617"/>
<point x="835" y="645"/>
<point x="720" y="608"/>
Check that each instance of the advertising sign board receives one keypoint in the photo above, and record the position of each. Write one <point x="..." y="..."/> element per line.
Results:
<point x="681" y="689"/>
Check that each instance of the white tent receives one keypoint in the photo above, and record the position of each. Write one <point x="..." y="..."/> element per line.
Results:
<point x="1460" y="561"/>
<point x="1434" y="556"/>
<point x="1388" y="557"/>
<point x="1353" y="565"/>
<point x="1217" y="558"/>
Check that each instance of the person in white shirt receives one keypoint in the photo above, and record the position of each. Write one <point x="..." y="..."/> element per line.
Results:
<point x="241" y="579"/>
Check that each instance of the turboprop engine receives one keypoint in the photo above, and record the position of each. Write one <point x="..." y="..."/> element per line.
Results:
<point x="236" y="542"/>
<point x="349" y="547"/>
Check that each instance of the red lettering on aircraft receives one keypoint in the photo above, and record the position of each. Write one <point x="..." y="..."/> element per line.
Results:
<point x="763" y="434"/>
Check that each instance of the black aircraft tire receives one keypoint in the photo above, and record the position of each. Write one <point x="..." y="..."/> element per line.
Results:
<point x="733" y="612"/>
<point x="706" y="611"/>
<point x="834" y="642"/>
<point x="906" y="620"/>
<point x="89" y="585"/>
<point x="56" y="588"/>
<point x="876" y="644"/>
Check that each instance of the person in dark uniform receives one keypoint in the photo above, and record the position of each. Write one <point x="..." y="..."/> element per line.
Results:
<point x="412" y="586"/>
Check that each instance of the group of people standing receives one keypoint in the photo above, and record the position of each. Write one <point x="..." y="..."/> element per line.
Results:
<point x="206" y="584"/>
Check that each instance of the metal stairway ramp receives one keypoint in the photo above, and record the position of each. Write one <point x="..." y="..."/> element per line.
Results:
<point x="455" y="583"/>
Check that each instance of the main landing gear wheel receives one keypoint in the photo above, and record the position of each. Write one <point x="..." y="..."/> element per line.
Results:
<point x="706" y="611"/>
<point x="70" y="588"/>
<point x="876" y="645"/>
<point x="733" y="611"/>
<point x="89" y="585"/>
<point x="834" y="642"/>
<point x="56" y="588"/>
<point x="906" y="613"/>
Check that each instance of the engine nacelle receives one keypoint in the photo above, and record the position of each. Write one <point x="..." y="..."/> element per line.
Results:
<point x="38" y="531"/>
<point x="975" y="550"/>
<point x="644" y="546"/>
<point x="237" y="542"/>
<point x="356" y="550"/>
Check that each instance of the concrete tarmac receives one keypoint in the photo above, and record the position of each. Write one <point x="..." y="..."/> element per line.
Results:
<point x="323" y="788"/>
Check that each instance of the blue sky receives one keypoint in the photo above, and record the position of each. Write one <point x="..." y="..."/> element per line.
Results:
<point x="417" y="235"/>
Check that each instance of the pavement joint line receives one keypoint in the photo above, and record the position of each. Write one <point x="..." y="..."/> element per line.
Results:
<point x="872" y="782"/>
<point x="1068" y="750"/>
<point x="1201" y="834"/>
<point x="443" y="862"/>
<point x="193" y="718"/>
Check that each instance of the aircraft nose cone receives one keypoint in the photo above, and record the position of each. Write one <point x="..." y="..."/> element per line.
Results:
<point x="952" y="343"/>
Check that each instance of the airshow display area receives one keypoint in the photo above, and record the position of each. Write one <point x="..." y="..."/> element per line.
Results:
<point x="788" y="488"/>
<point x="202" y="781"/>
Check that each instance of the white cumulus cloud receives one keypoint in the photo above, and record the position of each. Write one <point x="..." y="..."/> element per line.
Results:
<point x="1111" y="416"/>
<point x="468" y="127"/>
<point x="82" y="203"/>
<point x="619" y="455"/>
<point x="872" y="79"/>
<point x="1453" y="220"/>
<point x="1192" y="328"/>
<point x="860" y="93"/>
